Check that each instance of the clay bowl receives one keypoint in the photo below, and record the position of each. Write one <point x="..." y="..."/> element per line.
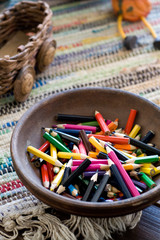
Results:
<point x="112" y="104"/>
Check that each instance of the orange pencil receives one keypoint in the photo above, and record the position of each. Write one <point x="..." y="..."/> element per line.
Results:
<point x="130" y="121"/>
<point x="113" y="125"/>
<point x="130" y="167"/>
<point x="92" y="154"/>
<point x="102" y="122"/>
<point x="125" y="146"/>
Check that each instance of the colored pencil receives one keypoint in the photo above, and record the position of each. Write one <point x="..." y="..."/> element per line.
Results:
<point x="123" y="172"/>
<point x="45" y="176"/>
<point x="72" y="132"/>
<point x="77" y="127"/>
<point x="62" y="135"/>
<point x="96" y="143"/>
<point x="74" y="118"/>
<point x="130" y="121"/>
<point x="43" y="148"/>
<point x="102" y="122"/>
<point x="112" y="139"/>
<point x="85" y="141"/>
<point x="67" y="170"/>
<point x="82" y="148"/>
<point x="91" y="123"/>
<point x="75" y="149"/>
<point x="90" y="174"/>
<point x="149" y="182"/>
<point x="125" y="146"/>
<point x="53" y="134"/>
<point x="93" y="167"/>
<point x="113" y="125"/>
<point x="149" y="135"/>
<point x="102" y="155"/>
<point x="119" y="154"/>
<point x="135" y="131"/>
<point x="58" y="178"/>
<point x="44" y="156"/>
<point x="101" y="187"/>
<point x="93" y="161"/>
<point x="145" y="159"/>
<point x="91" y="184"/>
<point x="149" y="149"/>
<point x="72" y="190"/>
<point x="66" y="155"/>
<point x="55" y="142"/>
<point x="119" y="178"/>
<point x="73" y="175"/>
<point x="129" y="167"/>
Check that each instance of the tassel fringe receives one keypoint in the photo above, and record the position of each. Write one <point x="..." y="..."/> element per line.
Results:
<point x="40" y="226"/>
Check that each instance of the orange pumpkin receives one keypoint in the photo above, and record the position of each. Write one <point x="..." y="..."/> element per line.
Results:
<point x="131" y="10"/>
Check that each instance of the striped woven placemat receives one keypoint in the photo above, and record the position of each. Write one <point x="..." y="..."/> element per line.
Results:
<point x="89" y="53"/>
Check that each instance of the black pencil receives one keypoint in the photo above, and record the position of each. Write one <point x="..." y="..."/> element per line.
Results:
<point x="93" y="180"/>
<point x="69" y="137"/>
<point x="149" y="149"/>
<point x="67" y="171"/>
<point x="74" y="118"/>
<point x="101" y="187"/>
<point x="102" y="155"/>
<point x="73" y="175"/>
<point x="149" y="135"/>
<point x="118" y="177"/>
<point x="119" y="154"/>
<point x="72" y="132"/>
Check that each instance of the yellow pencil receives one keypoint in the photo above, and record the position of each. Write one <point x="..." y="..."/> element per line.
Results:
<point x="97" y="144"/>
<point x="135" y="131"/>
<point x="58" y="178"/>
<point x="53" y="151"/>
<point x="44" y="156"/>
<point x="67" y="155"/>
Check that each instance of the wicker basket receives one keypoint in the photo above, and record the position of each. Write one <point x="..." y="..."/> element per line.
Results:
<point x="34" y="20"/>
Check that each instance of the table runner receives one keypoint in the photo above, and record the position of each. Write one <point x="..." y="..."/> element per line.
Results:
<point x="89" y="53"/>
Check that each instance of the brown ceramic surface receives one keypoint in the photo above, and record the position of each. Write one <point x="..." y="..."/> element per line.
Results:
<point x="112" y="104"/>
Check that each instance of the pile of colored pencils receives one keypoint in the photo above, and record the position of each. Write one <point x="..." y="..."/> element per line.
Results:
<point x="95" y="160"/>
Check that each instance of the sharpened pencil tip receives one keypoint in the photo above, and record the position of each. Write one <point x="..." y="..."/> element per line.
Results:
<point x="108" y="149"/>
<point x="110" y="162"/>
<point x="60" y="189"/>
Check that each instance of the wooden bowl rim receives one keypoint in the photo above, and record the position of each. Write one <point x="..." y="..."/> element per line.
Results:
<point x="147" y="198"/>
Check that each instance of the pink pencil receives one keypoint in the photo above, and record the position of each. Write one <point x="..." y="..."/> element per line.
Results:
<point x="93" y="161"/>
<point x="82" y="148"/>
<point x="75" y="149"/>
<point x="123" y="172"/>
<point x="77" y="127"/>
<point x="93" y="167"/>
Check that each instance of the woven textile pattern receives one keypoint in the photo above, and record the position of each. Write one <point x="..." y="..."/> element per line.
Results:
<point x="90" y="53"/>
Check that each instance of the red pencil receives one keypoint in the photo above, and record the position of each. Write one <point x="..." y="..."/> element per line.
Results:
<point x="102" y="122"/>
<point x="45" y="176"/>
<point x="43" y="148"/>
<point x="130" y="121"/>
<point x="112" y="139"/>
